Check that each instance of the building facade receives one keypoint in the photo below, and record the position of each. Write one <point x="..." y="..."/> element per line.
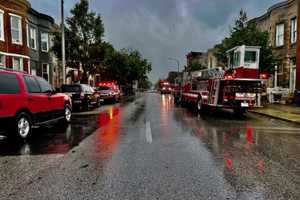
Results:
<point x="39" y="30"/>
<point x="212" y="60"/>
<point x="25" y="39"/>
<point x="280" y="21"/>
<point x="14" y="53"/>
<point x="196" y="58"/>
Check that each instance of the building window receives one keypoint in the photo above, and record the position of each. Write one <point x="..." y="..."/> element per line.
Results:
<point x="16" y="29"/>
<point x="45" y="72"/>
<point x="45" y="42"/>
<point x="1" y="25"/>
<point x="293" y="30"/>
<point x="27" y="33"/>
<point x="17" y="63"/>
<point x="279" y="35"/>
<point x="32" y="37"/>
<point x="2" y="61"/>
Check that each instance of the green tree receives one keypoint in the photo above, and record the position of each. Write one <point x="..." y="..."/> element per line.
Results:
<point x="84" y="44"/>
<point x="127" y="66"/>
<point x="84" y="32"/>
<point x="196" y="66"/>
<point x="244" y="33"/>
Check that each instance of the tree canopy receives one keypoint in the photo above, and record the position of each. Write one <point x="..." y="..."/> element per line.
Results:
<point x="244" y="33"/>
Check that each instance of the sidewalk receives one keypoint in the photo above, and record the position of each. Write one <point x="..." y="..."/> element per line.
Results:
<point x="290" y="113"/>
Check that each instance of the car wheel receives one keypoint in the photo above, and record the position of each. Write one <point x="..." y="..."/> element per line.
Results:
<point x="23" y="125"/>
<point x="85" y="106"/>
<point x="199" y="105"/>
<point x="98" y="104"/>
<point x="67" y="114"/>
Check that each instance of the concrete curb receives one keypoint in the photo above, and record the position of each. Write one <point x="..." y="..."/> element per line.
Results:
<point x="275" y="117"/>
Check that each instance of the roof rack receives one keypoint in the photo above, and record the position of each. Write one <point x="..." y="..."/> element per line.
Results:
<point x="13" y="70"/>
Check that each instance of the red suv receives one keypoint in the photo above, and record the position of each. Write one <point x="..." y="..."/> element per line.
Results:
<point x="27" y="101"/>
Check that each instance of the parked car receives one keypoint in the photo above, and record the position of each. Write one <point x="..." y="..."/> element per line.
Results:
<point x="27" y="101"/>
<point x="109" y="92"/>
<point x="83" y="96"/>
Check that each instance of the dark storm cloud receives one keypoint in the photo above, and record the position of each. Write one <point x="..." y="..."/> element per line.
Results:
<point x="164" y="28"/>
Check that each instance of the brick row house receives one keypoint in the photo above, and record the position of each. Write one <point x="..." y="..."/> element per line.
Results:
<point x="25" y="38"/>
<point x="280" y="21"/>
<point x="14" y="52"/>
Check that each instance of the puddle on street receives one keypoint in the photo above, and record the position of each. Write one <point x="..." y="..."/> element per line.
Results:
<point x="57" y="140"/>
<point x="248" y="152"/>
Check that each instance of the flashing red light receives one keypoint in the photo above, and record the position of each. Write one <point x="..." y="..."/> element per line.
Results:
<point x="229" y="77"/>
<point x="263" y="76"/>
<point x="109" y="83"/>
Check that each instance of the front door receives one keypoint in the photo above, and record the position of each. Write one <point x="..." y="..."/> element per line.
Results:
<point x="37" y="101"/>
<point x="292" y="78"/>
<point x="55" y="101"/>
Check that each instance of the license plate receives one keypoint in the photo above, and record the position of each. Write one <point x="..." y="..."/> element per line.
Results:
<point x="101" y="100"/>
<point x="77" y="101"/>
<point x="244" y="104"/>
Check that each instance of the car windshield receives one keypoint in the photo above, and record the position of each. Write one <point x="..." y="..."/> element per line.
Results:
<point x="70" y="88"/>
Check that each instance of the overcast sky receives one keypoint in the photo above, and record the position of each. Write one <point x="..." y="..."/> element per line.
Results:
<point x="160" y="29"/>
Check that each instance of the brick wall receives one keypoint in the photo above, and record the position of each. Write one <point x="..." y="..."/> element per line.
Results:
<point x="277" y="14"/>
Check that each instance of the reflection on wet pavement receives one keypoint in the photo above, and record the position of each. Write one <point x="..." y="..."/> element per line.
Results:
<point x="58" y="139"/>
<point x="108" y="136"/>
<point x="256" y="158"/>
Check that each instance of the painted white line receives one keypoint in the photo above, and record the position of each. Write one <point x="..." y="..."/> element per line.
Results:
<point x="148" y="132"/>
<point x="2" y="137"/>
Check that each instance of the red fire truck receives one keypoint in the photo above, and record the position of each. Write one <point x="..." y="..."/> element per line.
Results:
<point x="165" y="87"/>
<point x="238" y="87"/>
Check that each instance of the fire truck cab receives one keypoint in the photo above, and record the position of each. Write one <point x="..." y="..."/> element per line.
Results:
<point x="237" y="87"/>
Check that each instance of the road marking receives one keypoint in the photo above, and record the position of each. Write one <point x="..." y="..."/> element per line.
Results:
<point x="2" y="137"/>
<point x="148" y="132"/>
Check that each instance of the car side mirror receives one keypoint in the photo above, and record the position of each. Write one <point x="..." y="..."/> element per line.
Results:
<point x="57" y="90"/>
<point x="50" y="92"/>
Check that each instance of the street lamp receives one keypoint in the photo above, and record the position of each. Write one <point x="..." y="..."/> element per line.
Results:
<point x="177" y="61"/>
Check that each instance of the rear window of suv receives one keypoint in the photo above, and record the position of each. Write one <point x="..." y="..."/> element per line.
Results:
<point x="9" y="84"/>
<point x="71" y="88"/>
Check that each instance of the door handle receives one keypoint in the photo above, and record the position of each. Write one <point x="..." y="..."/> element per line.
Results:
<point x="30" y="99"/>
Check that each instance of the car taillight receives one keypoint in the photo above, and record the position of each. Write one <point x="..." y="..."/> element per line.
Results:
<point x="1" y="106"/>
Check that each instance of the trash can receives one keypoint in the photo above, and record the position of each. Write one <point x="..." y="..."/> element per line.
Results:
<point x="298" y="98"/>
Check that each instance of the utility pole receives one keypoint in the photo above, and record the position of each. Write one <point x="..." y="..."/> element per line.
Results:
<point x="63" y="50"/>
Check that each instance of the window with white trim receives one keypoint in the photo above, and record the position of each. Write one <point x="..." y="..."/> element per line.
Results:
<point x="32" y="37"/>
<point x="27" y="33"/>
<point x="1" y="25"/>
<point x="45" y="42"/>
<point x="45" y="71"/>
<point x="293" y="30"/>
<point x="2" y="61"/>
<point x="16" y="29"/>
<point x="279" y="35"/>
<point x="17" y="63"/>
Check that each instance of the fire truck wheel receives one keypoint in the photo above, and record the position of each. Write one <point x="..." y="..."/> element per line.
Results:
<point x="199" y="104"/>
<point x="239" y="112"/>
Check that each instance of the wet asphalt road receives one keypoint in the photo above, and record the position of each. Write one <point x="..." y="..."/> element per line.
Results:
<point x="152" y="149"/>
